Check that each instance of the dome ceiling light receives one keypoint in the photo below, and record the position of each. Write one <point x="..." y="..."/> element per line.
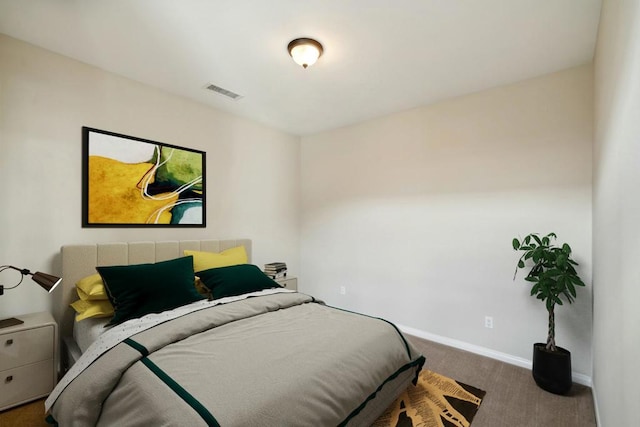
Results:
<point x="305" y="51"/>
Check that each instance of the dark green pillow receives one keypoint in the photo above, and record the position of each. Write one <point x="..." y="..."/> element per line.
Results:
<point x="136" y="290"/>
<point x="235" y="280"/>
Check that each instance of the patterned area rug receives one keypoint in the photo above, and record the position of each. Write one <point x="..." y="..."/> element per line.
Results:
<point x="437" y="401"/>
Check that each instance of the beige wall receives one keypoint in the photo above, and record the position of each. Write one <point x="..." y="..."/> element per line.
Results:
<point x="414" y="213"/>
<point x="616" y="214"/>
<point x="45" y="99"/>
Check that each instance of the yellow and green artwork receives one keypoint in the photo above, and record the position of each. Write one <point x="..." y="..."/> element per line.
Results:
<point x="129" y="181"/>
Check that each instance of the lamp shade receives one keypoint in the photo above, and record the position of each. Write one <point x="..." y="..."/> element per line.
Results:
<point x="305" y="51"/>
<point x="47" y="281"/>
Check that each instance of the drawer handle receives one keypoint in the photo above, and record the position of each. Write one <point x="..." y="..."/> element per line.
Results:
<point x="8" y="379"/>
<point x="9" y="342"/>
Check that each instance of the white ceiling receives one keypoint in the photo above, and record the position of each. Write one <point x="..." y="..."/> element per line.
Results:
<point x="381" y="56"/>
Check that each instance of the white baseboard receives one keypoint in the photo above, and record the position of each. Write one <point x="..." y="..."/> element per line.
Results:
<point x="503" y="357"/>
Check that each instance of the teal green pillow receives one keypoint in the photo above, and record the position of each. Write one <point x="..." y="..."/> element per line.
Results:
<point x="137" y="290"/>
<point x="235" y="280"/>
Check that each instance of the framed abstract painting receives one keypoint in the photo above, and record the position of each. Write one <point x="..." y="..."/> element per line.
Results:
<point x="135" y="182"/>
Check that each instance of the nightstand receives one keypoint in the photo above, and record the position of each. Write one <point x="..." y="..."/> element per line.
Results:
<point x="288" y="282"/>
<point x="28" y="364"/>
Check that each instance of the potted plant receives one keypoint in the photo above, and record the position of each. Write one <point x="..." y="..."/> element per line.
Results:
<point x="553" y="278"/>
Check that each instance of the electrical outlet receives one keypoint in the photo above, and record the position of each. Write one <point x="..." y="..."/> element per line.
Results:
<point x="343" y="290"/>
<point x="488" y="322"/>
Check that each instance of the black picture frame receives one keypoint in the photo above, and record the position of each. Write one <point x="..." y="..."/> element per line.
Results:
<point x="129" y="181"/>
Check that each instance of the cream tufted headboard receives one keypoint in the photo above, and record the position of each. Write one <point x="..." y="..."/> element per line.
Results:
<point x="80" y="261"/>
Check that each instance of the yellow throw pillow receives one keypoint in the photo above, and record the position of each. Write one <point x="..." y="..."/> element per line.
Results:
<point x="206" y="260"/>
<point x="91" y="288"/>
<point x="86" y="309"/>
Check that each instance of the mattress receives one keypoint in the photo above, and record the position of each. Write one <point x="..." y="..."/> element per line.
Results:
<point x="86" y="331"/>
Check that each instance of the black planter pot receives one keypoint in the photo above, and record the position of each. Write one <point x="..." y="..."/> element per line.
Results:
<point x="552" y="369"/>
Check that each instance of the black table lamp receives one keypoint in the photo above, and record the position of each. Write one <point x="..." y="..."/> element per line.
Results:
<point x="47" y="281"/>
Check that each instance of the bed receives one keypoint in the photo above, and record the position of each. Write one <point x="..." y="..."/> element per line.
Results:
<point x="267" y="357"/>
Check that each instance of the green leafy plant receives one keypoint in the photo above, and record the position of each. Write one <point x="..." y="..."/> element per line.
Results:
<point x="553" y="274"/>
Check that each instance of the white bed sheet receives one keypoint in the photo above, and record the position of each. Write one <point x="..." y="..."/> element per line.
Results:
<point x="86" y="331"/>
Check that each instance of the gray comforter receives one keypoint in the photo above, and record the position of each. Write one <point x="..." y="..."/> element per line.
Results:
<point x="275" y="360"/>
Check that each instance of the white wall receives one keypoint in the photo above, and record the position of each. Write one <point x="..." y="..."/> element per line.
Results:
<point x="45" y="99"/>
<point x="616" y="214"/>
<point x="414" y="213"/>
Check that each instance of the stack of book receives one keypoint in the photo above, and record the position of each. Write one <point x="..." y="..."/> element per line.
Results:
<point x="276" y="270"/>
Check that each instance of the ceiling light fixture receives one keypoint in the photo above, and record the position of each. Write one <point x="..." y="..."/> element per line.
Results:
<point x="304" y="51"/>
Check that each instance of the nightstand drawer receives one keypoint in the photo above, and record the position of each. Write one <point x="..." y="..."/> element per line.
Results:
<point x="26" y="383"/>
<point x="25" y="347"/>
<point x="288" y="282"/>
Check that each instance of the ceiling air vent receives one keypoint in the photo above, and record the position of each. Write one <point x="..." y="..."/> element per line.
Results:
<point x="223" y="91"/>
